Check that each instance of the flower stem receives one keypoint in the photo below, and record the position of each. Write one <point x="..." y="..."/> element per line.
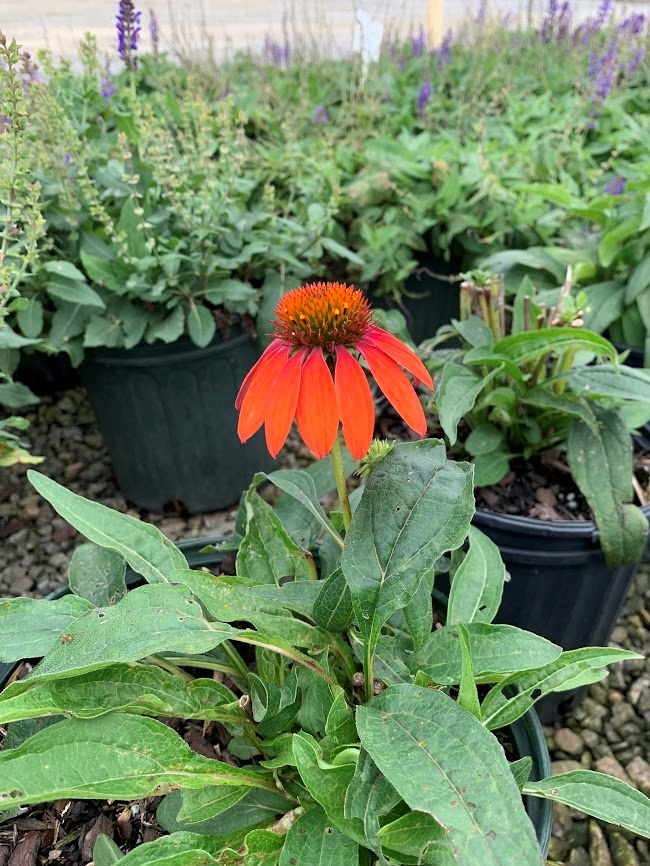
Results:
<point x="341" y="486"/>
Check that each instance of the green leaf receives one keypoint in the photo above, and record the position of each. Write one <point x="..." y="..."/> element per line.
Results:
<point x="126" y="688"/>
<point x="116" y="757"/>
<point x="418" y="613"/>
<point x="340" y="251"/>
<point x="597" y="794"/>
<point x="130" y="225"/>
<point x="66" y="270"/>
<point x="30" y="320"/>
<point x="150" y="619"/>
<point x="604" y="304"/>
<point x="532" y="345"/>
<point x="370" y="797"/>
<point x="474" y="331"/>
<point x="569" y="404"/>
<point x="205" y="803"/>
<point x="496" y="650"/>
<point x="328" y="785"/>
<point x="11" y="340"/>
<point x="74" y="292"/>
<point x="300" y="486"/>
<point x="601" y="465"/>
<point x="638" y="282"/>
<point x="333" y="607"/>
<point x="313" y="841"/>
<point x="68" y="321"/>
<point x="467" y="693"/>
<point x="490" y="468"/>
<point x="180" y="849"/>
<point x="97" y="574"/>
<point x="483" y="439"/>
<point x="457" y="393"/>
<point x="257" y="807"/>
<point x="521" y="770"/>
<point x="416" y="506"/>
<point x="29" y="627"/>
<point x="103" y="331"/>
<point x="612" y="241"/>
<point x="443" y="762"/>
<point x="15" y="395"/>
<point x="168" y="329"/>
<point x="340" y="727"/>
<point x="144" y="547"/>
<point x="110" y="273"/>
<point x="267" y="553"/>
<point x="622" y="383"/>
<point x="477" y="585"/>
<point x="417" y="835"/>
<point x="105" y="851"/>
<point x="558" y="675"/>
<point x="201" y="325"/>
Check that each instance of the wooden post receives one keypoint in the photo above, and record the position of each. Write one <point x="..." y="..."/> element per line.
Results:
<point x="435" y="23"/>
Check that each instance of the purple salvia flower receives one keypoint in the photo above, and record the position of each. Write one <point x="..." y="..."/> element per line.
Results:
<point x="67" y="159"/>
<point x="616" y="186"/>
<point x="107" y="88"/>
<point x="481" y="12"/>
<point x="444" y="52"/>
<point x="274" y="53"/>
<point x="418" y="44"/>
<point x="127" y="23"/>
<point x="548" y="25"/>
<point x="320" y="117"/>
<point x="603" y="13"/>
<point x="636" y="60"/>
<point x="424" y="95"/>
<point x="564" y="21"/>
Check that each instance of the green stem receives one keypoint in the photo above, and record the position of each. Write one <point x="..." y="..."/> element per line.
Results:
<point x="170" y="668"/>
<point x="237" y="661"/>
<point x="204" y="664"/>
<point x="368" y="668"/>
<point x="341" y="485"/>
<point x="313" y="573"/>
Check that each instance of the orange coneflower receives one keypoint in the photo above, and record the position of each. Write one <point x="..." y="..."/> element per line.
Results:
<point x="310" y="371"/>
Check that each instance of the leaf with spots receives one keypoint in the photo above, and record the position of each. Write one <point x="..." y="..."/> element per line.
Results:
<point x="313" y="841"/>
<point x="443" y="762"/>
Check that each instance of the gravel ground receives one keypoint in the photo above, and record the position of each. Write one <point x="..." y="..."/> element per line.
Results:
<point x="609" y="731"/>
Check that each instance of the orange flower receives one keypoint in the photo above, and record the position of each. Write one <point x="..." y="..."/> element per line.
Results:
<point x="308" y="373"/>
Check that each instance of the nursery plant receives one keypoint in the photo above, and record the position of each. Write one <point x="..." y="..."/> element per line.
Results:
<point x="528" y="378"/>
<point x="354" y="731"/>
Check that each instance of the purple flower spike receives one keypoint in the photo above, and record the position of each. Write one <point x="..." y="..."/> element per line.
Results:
<point x="320" y="117"/>
<point x="418" y="44"/>
<point x="424" y="95"/>
<point x="107" y="88"/>
<point x="127" y="23"/>
<point x="616" y="186"/>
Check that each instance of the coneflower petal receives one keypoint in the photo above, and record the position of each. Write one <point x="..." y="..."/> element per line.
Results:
<point x="395" y="385"/>
<point x="273" y="347"/>
<point x="281" y="405"/>
<point x="259" y="388"/>
<point x="354" y="402"/>
<point x="400" y="353"/>
<point x="316" y="412"/>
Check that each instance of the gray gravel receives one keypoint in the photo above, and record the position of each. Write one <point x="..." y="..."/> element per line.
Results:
<point x="609" y="731"/>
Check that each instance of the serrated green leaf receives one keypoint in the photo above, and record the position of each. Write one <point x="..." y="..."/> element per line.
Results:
<point x="469" y="789"/>
<point x="144" y="547"/>
<point x="30" y="626"/>
<point x="597" y="794"/>
<point x="477" y="584"/>
<point x="116" y="757"/>
<point x="496" y="650"/>
<point x="97" y="574"/>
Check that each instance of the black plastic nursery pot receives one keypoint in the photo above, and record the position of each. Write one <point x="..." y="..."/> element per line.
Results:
<point x="167" y="415"/>
<point x="428" y="300"/>
<point x="47" y="374"/>
<point x="526" y="733"/>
